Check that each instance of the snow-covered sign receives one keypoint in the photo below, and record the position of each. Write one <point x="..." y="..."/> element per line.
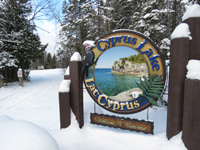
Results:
<point x="19" y="73"/>
<point x="127" y="72"/>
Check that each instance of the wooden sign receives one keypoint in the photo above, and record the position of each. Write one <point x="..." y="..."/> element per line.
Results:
<point x="128" y="72"/>
<point x="123" y="123"/>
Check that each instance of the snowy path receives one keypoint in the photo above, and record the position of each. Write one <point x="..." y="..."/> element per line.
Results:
<point x="38" y="98"/>
<point x="38" y="103"/>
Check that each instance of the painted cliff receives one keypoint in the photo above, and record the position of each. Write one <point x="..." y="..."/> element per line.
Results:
<point x="130" y="66"/>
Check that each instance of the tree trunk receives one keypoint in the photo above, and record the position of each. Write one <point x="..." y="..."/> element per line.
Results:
<point x="174" y="15"/>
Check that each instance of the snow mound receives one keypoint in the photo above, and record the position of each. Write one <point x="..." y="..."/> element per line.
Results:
<point x="192" y="11"/>
<point x="182" y="30"/>
<point x="76" y="57"/>
<point x="5" y="118"/>
<point x="177" y="142"/>
<point x="65" y="86"/>
<point x="193" y="68"/>
<point x="89" y="42"/>
<point x="23" y="135"/>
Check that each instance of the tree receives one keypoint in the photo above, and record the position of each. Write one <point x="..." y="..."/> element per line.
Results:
<point x="6" y="58"/>
<point x="26" y="46"/>
<point x="86" y="19"/>
<point x="75" y="29"/>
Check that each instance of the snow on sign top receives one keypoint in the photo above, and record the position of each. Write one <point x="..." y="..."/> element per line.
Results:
<point x="192" y="11"/>
<point x="182" y="30"/>
<point x="193" y="68"/>
<point x="76" y="57"/>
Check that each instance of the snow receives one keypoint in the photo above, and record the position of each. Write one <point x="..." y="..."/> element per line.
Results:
<point x="89" y="42"/>
<point x="76" y="57"/>
<point x="67" y="71"/>
<point x="193" y="68"/>
<point x="176" y="141"/>
<point x="23" y="135"/>
<point x="65" y="86"/>
<point x="182" y="30"/>
<point x="192" y="11"/>
<point x="37" y="105"/>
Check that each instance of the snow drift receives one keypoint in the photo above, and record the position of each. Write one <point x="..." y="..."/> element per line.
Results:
<point x="23" y="135"/>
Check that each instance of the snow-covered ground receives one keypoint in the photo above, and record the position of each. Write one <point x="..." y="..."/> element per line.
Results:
<point x="34" y="109"/>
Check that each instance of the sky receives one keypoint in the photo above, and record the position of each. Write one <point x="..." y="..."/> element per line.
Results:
<point x="107" y="59"/>
<point x="49" y="36"/>
<point x="48" y="30"/>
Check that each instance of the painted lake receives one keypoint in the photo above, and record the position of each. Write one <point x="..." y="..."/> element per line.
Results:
<point x="113" y="84"/>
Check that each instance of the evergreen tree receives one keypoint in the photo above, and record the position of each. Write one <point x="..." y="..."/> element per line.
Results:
<point x="49" y="58"/>
<point x="26" y="46"/>
<point x="89" y="19"/>
<point x="54" y="61"/>
<point x="51" y="61"/>
<point x="6" y="58"/>
<point x="79" y="24"/>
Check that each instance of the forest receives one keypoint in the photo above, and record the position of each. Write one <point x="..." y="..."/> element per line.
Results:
<point x="91" y="19"/>
<point x="21" y="47"/>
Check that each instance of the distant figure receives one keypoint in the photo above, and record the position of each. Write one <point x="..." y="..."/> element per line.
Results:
<point x="89" y="59"/>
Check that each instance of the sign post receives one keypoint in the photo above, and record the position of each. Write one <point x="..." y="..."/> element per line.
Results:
<point x="1" y="82"/>
<point x="20" y="76"/>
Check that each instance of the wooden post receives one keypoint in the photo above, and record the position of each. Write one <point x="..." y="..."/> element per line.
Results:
<point x="76" y="91"/>
<point x="194" y="26"/>
<point x="179" y="52"/>
<point x="65" y="115"/>
<point x="1" y="82"/>
<point x="66" y="77"/>
<point x="20" y="76"/>
<point x="191" y="117"/>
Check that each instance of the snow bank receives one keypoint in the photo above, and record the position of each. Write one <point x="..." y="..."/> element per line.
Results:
<point x="5" y="118"/>
<point x="76" y="57"/>
<point x="67" y="71"/>
<point x="192" y="11"/>
<point x="38" y="102"/>
<point x="23" y="135"/>
<point x="89" y="42"/>
<point x="193" y="68"/>
<point x="176" y="141"/>
<point x="182" y="30"/>
<point x="65" y="86"/>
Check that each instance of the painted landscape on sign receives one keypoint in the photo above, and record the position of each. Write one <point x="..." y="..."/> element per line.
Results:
<point x="117" y="71"/>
